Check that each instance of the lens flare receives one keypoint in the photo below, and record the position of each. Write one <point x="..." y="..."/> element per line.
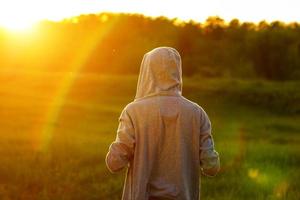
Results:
<point x="66" y="84"/>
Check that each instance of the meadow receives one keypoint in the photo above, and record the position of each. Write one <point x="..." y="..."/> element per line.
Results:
<point x="55" y="130"/>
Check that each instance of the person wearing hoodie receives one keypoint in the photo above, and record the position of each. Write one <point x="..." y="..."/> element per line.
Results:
<point x="163" y="139"/>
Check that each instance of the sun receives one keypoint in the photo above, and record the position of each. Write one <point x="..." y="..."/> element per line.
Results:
<point x="17" y="24"/>
<point x="18" y="15"/>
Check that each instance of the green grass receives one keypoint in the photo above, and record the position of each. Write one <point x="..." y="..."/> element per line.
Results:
<point x="256" y="127"/>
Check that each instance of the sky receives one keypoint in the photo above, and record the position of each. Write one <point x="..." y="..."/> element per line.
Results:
<point x="25" y="12"/>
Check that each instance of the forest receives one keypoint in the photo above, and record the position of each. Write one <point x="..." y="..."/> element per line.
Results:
<point x="109" y="43"/>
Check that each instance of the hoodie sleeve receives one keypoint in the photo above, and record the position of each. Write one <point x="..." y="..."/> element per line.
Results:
<point x="122" y="149"/>
<point x="209" y="158"/>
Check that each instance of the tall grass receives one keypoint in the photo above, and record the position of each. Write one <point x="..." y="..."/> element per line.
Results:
<point x="256" y="135"/>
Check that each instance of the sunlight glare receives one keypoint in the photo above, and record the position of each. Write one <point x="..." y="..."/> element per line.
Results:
<point x="21" y="15"/>
<point x="17" y="25"/>
<point x="17" y="16"/>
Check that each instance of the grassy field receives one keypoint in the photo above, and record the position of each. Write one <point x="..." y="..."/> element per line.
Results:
<point x="55" y="130"/>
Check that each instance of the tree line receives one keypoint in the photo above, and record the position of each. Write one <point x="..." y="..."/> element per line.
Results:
<point x="116" y="43"/>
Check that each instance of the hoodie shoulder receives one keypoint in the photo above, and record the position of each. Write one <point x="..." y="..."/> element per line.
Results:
<point x="191" y="103"/>
<point x="132" y="106"/>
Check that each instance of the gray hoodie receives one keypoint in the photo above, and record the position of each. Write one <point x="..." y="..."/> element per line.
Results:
<point x="163" y="138"/>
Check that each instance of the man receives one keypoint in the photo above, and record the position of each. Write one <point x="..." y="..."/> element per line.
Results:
<point x="163" y="138"/>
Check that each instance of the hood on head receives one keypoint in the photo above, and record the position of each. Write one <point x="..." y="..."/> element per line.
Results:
<point x="160" y="72"/>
